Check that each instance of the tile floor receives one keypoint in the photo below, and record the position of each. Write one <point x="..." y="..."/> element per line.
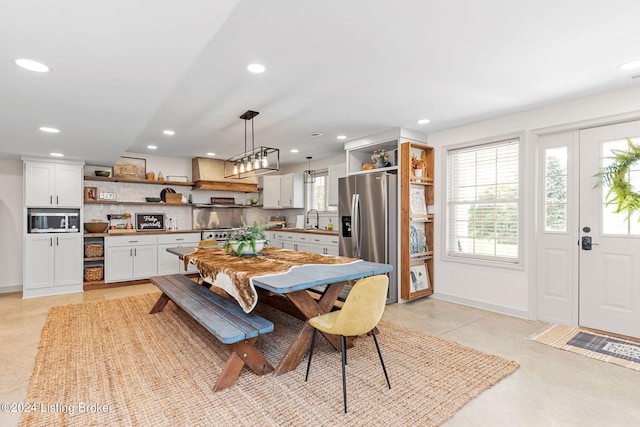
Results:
<point x="551" y="388"/>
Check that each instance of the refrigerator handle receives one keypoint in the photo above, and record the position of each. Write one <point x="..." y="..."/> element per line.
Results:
<point x="355" y="225"/>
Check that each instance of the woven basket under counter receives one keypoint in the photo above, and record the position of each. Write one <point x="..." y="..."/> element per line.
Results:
<point x="93" y="250"/>
<point x="93" y="274"/>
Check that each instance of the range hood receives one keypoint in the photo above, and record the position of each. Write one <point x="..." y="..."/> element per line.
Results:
<point x="208" y="174"/>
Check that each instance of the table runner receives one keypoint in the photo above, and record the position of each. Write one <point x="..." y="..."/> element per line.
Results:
<point x="235" y="274"/>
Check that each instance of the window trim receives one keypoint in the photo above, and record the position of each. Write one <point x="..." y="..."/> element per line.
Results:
<point x="482" y="260"/>
<point x="324" y="212"/>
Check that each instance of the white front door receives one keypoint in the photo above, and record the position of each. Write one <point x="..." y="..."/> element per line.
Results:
<point x="609" y="271"/>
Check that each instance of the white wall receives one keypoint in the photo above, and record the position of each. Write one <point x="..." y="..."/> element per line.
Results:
<point x="11" y="224"/>
<point x="501" y="289"/>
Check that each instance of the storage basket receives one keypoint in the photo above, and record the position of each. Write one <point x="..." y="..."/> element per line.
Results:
<point x="92" y="274"/>
<point x="93" y="250"/>
<point x="173" y="198"/>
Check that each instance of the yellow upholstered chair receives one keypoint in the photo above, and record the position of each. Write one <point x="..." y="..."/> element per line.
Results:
<point x="360" y="313"/>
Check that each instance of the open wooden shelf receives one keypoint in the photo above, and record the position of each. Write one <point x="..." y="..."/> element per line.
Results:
<point x="136" y="181"/>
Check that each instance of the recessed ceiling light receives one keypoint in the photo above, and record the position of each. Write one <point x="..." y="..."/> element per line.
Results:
<point x="423" y="121"/>
<point x="341" y="137"/>
<point x="295" y="150"/>
<point x="630" y="65"/>
<point x="316" y="134"/>
<point x="49" y="130"/>
<point x="152" y="147"/>
<point x="211" y="154"/>
<point x="168" y="132"/>
<point x="256" y="68"/>
<point x="31" y="65"/>
<point x="56" y="154"/>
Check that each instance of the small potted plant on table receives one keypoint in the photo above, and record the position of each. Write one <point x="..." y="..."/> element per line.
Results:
<point x="247" y="241"/>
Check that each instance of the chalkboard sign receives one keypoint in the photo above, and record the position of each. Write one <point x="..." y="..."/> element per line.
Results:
<point x="149" y="221"/>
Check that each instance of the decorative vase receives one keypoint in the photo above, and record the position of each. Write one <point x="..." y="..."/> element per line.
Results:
<point x="246" y="250"/>
<point x="380" y="163"/>
<point x="417" y="172"/>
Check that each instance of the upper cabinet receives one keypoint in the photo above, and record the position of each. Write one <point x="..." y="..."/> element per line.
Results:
<point x="283" y="191"/>
<point x="49" y="184"/>
<point x="335" y="172"/>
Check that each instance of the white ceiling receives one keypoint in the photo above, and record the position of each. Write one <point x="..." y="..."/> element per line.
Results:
<point x="122" y="71"/>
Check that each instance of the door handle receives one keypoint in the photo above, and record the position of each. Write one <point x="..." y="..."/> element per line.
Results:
<point x="586" y="243"/>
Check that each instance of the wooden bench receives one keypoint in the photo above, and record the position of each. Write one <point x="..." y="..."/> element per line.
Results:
<point x="224" y="319"/>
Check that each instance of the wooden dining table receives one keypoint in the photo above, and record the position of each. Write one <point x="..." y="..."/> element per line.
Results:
<point x="289" y="292"/>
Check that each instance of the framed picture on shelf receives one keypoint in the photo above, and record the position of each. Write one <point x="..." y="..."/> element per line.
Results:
<point x="419" y="277"/>
<point x="90" y="194"/>
<point x="130" y="167"/>
<point x="417" y="203"/>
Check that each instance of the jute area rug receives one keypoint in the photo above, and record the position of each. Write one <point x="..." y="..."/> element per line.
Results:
<point x="596" y="346"/>
<point x="112" y="363"/>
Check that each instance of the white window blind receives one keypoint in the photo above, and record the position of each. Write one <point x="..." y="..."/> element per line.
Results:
<point x="483" y="202"/>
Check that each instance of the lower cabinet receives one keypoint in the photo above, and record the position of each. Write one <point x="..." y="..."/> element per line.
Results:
<point x="297" y="241"/>
<point x="52" y="264"/>
<point x="168" y="263"/>
<point x="131" y="258"/>
<point x="324" y="244"/>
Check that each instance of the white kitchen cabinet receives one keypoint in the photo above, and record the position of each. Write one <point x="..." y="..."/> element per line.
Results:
<point x="130" y="257"/>
<point x="297" y="241"/>
<point x="271" y="191"/>
<point x="291" y="191"/>
<point x="49" y="184"/>
<point x="335" y="172"/>
<point x="282" y="191"/>
<point x="324" y="244"/>
<point x="52" y="264"/>
<point x="169" y="263"/>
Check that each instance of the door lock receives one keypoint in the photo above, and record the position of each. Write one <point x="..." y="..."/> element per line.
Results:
<point x="586" y="243"/>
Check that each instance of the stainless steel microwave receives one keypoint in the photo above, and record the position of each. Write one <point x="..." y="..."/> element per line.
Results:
<point x="53" y="221"/>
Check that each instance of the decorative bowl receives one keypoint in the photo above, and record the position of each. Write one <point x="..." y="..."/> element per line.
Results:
<point x="153" y="199"/>
<point x="96" y="226"/>
<point x="246" y="250"/>
<point x="103" y="173"/>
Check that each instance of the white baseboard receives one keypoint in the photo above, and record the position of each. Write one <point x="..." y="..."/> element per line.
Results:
<point x="10" y="288"/>
<point x="481" y="305"/>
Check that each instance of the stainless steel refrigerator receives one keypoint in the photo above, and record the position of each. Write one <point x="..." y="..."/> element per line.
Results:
<point x="368" y="213"/>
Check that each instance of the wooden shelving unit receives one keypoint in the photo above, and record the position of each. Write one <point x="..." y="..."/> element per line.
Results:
<point x="416" y="223"/>
<point x="137" y="181"/>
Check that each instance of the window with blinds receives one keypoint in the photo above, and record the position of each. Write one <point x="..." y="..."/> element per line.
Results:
<point x="483" y="202"/>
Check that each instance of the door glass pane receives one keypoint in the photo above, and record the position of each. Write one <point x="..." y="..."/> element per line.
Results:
<point x="555" y="189"/>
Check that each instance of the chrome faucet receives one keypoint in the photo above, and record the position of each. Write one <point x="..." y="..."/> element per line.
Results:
<point x="317" y="217"/>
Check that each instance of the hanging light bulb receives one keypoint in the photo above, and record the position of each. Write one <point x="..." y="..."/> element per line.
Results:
<point x="265" y="161"/>
<point x="256" y="162"/>
<point x="242" y="170"/>
<point x="235" y="169"/>
<point x="249" y="164"/>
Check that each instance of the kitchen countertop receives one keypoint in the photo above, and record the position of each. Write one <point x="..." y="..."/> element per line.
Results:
<point x="142" y="232"/>
<point x="305" y="230"/>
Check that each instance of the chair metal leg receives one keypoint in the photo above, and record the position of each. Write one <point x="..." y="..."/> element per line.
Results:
<point x="313" y="340"/>
<point x="343" y="347"/>
<point x="373" y="332"/>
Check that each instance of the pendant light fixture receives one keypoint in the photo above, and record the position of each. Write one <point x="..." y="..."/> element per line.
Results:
<point x="309" y="175"/>
<point x="257" y="161"/>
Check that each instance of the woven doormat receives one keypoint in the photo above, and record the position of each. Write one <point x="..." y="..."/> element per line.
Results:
<point x="596" y="346"/>
<point x="138" y="369"/>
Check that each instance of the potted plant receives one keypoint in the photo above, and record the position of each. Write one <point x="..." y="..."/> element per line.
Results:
<point x="247" y="240"/>
<point x="381" y="157"/>
<point x="417" y="165"/>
